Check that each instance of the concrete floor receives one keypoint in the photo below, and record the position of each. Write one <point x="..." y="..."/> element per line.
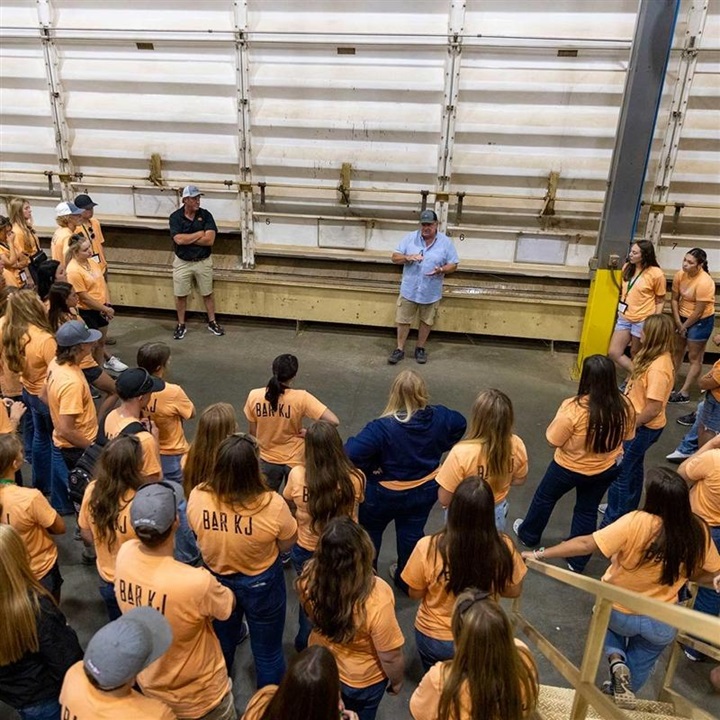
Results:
<point x="347" y="369"/>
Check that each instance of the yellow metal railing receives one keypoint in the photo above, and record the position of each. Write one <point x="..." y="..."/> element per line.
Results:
<point x="704" y="628"/>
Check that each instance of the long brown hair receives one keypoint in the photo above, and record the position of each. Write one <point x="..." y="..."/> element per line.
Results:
<point x="491" y="425"/>
<point x="487" y="662"/>
<point x="338" y="579"/>
<point x="216" y="422"/>
<point x="470" y="532"/>
<point x="328" y="475"/>
<point x="647" y="259"/>
<point x="310" y="688"/>
<point x="236" y="479"/>
<point x="408" y="394"/>
<point x="17" y="217"/>
<point x="119" y="470"/>
<point x="24" y="308"/>
<point x="658" y="339"/>
<point x="19" y="599"/>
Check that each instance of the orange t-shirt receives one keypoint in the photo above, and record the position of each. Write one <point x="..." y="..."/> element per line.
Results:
<point x="27" y="510"/>
<point x="69" y="394"/>
<point x="357" y="659"/>
<point x="715" y="370"/>
<point x="88" y="280"/>
<point x="26" y="242"/>
<point x="5" y="424"/>
<point x="568" y="434"/>
<point x="296" y="491"/>
<point x="467" y="458"/>
<point x="9" y="381"/>
<point x="259" y="702"/>
<point x="655" y="384"/>
<point x="123" y="531"/>
<point x="649" y="285"/>
<point x="16" y="277"/>
<point x="39" y="351"/>
<point x="191" y="677"/>
<point x="80" y="700"/>
<point x="59" y="243"/>
<point x="115" y="424"/>
<point x="278" y="431"/>
<point x="426" y="698"/>
<point x="704" y="471"/>
<point x="237" y="539"/>
<point x="167" y="409"/>
<point x="625" y="541"/>
<point x="692" y="290"/>
<point x="424" y="572"/>
<point x="93" y="232"/>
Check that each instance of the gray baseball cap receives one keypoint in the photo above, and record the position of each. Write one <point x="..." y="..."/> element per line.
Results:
<point x="155" y="506"/>
<point x="67" y="208"/>
<point x="75" y="332"/>
<point x="120" y="650"/>
<point x="428" y="216"/>
<point x="191" y="191"/>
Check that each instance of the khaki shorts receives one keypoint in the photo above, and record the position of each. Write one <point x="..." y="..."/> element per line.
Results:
<point x="407" y="310"/>
<point x="184" y="272"/>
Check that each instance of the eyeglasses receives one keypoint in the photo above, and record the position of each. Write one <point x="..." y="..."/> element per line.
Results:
<point x="247" y="438"/>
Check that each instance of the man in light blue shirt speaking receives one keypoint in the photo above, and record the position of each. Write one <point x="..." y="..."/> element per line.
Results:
<point x="426" y="256"/>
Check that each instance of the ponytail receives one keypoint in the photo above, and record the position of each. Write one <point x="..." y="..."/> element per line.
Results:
<point x="284" y="369"/>
<point x="701" y="257"/>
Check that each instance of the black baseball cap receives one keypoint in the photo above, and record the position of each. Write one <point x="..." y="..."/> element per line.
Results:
<point x="134" y="382"/>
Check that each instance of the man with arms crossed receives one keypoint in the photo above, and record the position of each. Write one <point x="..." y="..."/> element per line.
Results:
<point x="193" y="232"/>
<point x="426" y="256"/>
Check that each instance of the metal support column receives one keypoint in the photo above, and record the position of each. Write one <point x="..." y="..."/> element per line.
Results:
<point x="649" y="56"/>
<point x="57" y="102"/>
<point x="451" y="89"/>
<point x="242" y="77"/>
<point x="694" y="26"/>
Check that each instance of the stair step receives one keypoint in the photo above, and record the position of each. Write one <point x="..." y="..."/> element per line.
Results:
<point x="555" y="704"/>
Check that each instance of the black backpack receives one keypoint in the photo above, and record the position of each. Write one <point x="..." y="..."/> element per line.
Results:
<point x="82" y="474"/>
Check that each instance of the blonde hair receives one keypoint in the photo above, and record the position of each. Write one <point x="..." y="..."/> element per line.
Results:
<point x="24" y="308"/>
<point x="491" y="425"/>
<point x="63" y="221"/>
<point x="19" y="599"/>
<point x="658" y="339"/>
<point x="15" y="212"/>
<point x="216" y="422"/>
<point x="73" y="248"/>
<point x="408" y="394"/>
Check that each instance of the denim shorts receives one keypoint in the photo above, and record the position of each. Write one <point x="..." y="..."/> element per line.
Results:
<point x="634" y="328"/>
<point x="710" y="417"/>
<point x="701" y="330"/>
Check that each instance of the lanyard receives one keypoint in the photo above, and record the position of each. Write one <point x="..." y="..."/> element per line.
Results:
<point x="632" y="283"/>
<point x="6" y="481"/>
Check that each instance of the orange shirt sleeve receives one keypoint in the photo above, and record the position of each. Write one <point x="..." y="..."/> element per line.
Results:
<point x="519" y="566"/>
<point x="70" y="399"/>
<point x="151" y="454"/>
<point x="77" y="278"/>
<point x="659" y="283"/>
<point x="248" y="410"/>
<point x="383" y="625"/>
<point x="313" y="408"/>
<point x="426" y="698"/>
<point x="217" y="601"/>
<point x="414" y="572"/>
<point x="698" y="468"/>
<point x="84" y="514"/>
<point x="289" y="490"/>
<point x="676" y="284"/>
<point x="520" y="459"/>
<point x="715" y="370"/>
<point x="42" y="512"/>
<point x="183" y="405"/>
<point x="712" y="557"/>
<point x="287" y="524"/>
<point x="612" y="538"/>
<point x="705" y="292"/>
<point x="560" y="430"/>
<point x="451" y="472"/>
<point x="659" y="384"/>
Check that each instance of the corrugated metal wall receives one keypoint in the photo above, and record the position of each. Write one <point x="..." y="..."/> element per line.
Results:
<point x="481" y="97"/>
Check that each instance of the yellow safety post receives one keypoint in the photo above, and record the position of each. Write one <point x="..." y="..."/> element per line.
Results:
<point x="600" y="315"/>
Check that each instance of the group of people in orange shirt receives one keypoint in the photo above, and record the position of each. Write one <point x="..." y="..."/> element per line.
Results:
<point x="191" y="539"/>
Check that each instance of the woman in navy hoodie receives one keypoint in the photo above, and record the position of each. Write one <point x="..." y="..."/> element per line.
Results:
<point x="400" y="454"/>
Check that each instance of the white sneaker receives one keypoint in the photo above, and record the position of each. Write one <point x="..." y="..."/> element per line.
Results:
<point x="676" y="456"/>
<point x="115" y="365"/>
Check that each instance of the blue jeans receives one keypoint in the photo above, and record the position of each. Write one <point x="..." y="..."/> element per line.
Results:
<point x="107" y="593"/>
<point x="299" y="556"/>
<point x="708" y="601"/>
<point x="432" y="650"/>
<point x="52" y="581"/>
<point x="48" y="467"/>
<point x="186" y="549"/>
<point x="364" y="701"/>
<point x="172" y="467"/>
<point x="625" y="493"/>
<point x="639" y="640"/>
<point x="408" y="508"/>
<point x="689" y="444"/>
<point x="262" y="600"/>
<point x="46" y="710"/>
<point x="589" y="491"/>
<point x="501" y="513"/>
